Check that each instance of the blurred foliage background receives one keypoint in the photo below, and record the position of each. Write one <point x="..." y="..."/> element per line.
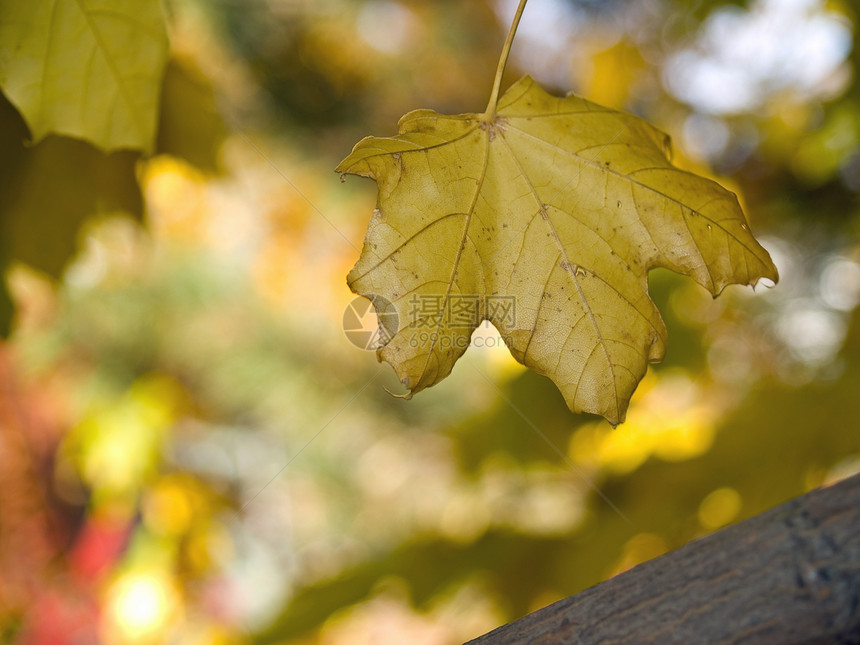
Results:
<point x="191" y="451"/>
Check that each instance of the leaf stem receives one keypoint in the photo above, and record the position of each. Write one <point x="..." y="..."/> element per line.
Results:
<point x="503" y="60"/>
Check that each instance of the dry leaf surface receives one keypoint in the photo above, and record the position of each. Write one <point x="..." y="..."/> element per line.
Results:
<point x="543" y="219"/>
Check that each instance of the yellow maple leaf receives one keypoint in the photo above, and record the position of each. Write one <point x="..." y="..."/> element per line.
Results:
<point x="542" y="215"/>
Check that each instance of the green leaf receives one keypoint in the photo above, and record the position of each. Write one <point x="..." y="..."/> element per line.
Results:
<point x="544" y="217"/>
<point x="190" y="126"/>
<point x="60" y="183"/>
<point x="6" y="305"/>
<point x="48" y="190"/>
<point x="90" y="69"/>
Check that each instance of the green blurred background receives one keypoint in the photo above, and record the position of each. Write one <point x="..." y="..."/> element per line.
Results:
<point x="191" y="451"/>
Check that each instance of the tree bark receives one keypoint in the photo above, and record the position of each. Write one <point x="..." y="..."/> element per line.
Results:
<point x="789" y="575"/>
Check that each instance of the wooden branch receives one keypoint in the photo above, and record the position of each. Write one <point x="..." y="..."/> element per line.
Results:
<point x="789" y="575"/>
